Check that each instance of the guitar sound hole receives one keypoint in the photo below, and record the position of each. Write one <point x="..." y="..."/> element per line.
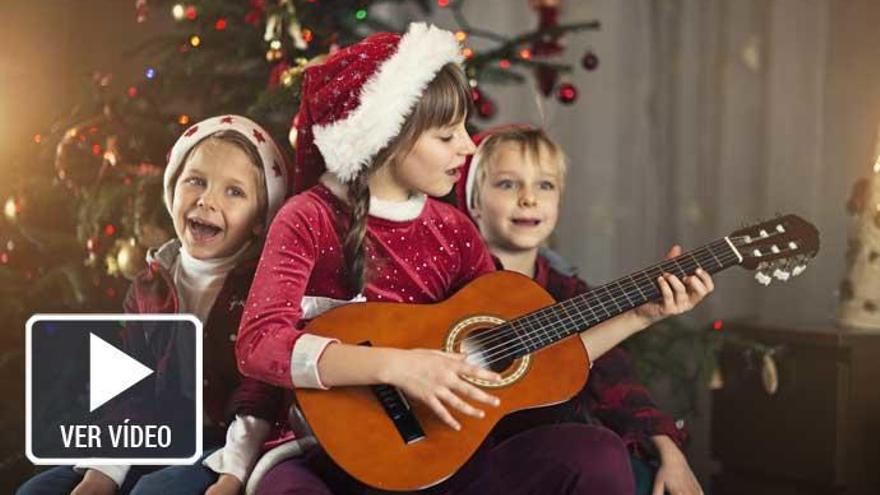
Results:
<point x="483" y="351"/>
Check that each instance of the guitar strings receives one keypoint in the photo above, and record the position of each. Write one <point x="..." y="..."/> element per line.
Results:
<point x="483" y="341"/>
<point x="580" y="303"/>
<point x="505" y="351"/>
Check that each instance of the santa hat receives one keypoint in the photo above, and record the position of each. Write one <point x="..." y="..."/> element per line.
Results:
<point x="464" y="188"/>
<point x="274" y="164"/>
<point x="355" y="103"/>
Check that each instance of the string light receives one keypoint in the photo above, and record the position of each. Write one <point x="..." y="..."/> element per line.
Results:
<point x="308" y="35"/>
<point x="96" y="149"/>
<point x="442" y="3"/>
<point x="150" y="73"/>
<point x="275" y="44"/>
<point x="183" y="119"/>
<point x="504" y="63"/>
<point x="191" y="13"/>
<point x="132" y="91"/>
<point x="195" y="41"/>
<point x="467" y="52"/>
<point x="525" y="54"/>
<point x="38" y="138"/>
<point x="361" y="14"/>
<point x="178" y="12"/>
<point x="109" y="229"/>
<point x="220" y="25"/>
<point x="461" y="36"/>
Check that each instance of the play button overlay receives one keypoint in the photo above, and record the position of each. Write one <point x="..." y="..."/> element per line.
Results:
<point x="113" y="389"/>
<point x="111" y="371"/>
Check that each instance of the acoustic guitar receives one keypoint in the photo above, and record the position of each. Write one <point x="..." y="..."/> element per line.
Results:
<point x="506" y="322"/>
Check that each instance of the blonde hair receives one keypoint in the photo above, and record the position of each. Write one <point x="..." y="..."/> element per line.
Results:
<point x="446" y="100"/>
<point x="531" y="142"/>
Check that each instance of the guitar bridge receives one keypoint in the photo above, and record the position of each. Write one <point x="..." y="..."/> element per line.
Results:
<point x="398" y="410"/>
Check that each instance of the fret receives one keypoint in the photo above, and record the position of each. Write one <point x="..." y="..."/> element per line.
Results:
<point x="696" y="261"/>
<point x="599" y="299"/>
<point x="637" y="287"/>
<point x="682" y="272"/>
<point x="564" y="307"/>
<point x="628" y="300"/>
<point x="613" y="299"/>
<point x="720" y="264"/>
<point x="581" y="301"/>
<point x="652" y="284"/>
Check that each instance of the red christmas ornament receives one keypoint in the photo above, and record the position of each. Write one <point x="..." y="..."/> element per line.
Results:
<point x="590" y="61"/>
<point x="567" y="93"/>
<point x="476" y="95"/>
<point x="486" y="108"/>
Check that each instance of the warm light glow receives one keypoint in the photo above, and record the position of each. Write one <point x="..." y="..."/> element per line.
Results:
<point x="467" y="52"/>
<point x="275" y="44"/>
<point x="195" y="41"/>
<point x="461" y="36"/>
<point x="178" y="11"/>
<point x="183" y="119"/>
<point x="10" y="209"/>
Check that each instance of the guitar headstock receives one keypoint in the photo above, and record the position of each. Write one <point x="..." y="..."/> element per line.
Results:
<point x="779" y="248"/>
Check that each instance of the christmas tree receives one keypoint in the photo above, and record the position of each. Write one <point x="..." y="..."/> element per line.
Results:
<point x="83" y="209"/>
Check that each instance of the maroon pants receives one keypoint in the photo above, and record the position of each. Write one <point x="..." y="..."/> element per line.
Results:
<point x="559" y="459"/>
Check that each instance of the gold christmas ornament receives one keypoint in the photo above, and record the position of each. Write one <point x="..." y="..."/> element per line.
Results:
<point x="130" y="259"/>
<point x="769" y="374"/>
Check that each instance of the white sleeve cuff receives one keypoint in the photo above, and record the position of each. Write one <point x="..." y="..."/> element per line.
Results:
<point x="304" y="360"/>
<point x="115" y="473"/>
<point x="244" y="439"/>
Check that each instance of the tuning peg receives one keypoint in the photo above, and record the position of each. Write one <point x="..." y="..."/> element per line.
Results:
<point x="797" y="270"/>
<point x="763" y="278"/>
<point x="781" y="274"/>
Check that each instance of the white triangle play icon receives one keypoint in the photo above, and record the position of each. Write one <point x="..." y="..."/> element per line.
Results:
<point x="111" y="371"/>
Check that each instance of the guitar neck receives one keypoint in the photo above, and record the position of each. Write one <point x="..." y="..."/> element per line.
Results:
<point x="549" y="325"/>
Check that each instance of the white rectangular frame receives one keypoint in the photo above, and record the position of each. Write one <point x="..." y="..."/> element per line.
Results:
<point x="102" y="461"/>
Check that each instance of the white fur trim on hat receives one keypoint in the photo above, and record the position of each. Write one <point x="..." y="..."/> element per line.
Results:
<point x="274" y="167"/>
<point x="386" y="99"/>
